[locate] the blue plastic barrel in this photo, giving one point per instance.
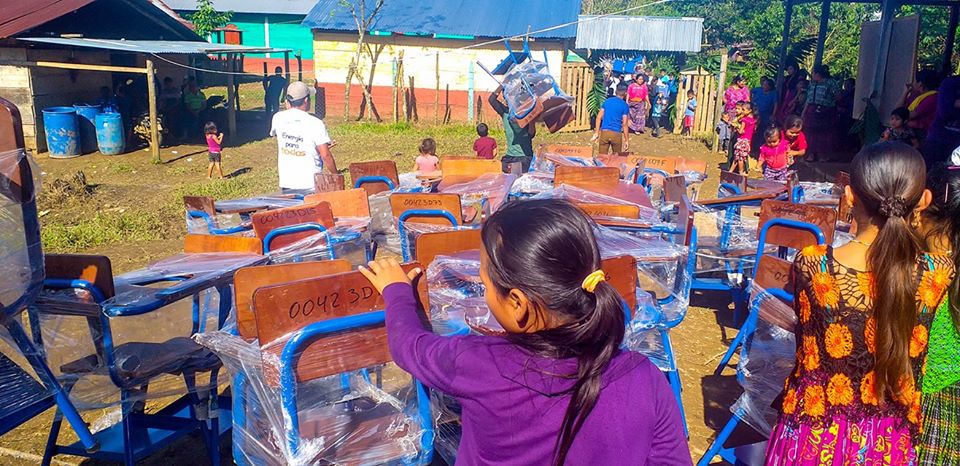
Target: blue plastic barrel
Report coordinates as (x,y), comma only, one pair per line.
(110,133)
(87,118)
(63,137)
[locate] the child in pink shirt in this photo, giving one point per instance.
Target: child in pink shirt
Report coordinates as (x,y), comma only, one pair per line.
(774,155)
(214,141)
(427,161)
(745,124)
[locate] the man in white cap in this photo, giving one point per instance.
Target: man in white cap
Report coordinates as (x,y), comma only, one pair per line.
(302,142)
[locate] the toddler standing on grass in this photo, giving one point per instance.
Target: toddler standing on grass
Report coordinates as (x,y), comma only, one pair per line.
(214,142)
(485,146)
(427,161)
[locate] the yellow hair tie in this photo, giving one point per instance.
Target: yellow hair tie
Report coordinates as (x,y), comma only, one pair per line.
(590,283)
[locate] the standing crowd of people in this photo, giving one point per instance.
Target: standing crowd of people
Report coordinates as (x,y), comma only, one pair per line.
(928,117)
(636,102)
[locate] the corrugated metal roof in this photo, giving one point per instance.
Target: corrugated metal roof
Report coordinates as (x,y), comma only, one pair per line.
(641,33)
(276,7)
(490,18)
(147,18)
(153,46)
(16,16)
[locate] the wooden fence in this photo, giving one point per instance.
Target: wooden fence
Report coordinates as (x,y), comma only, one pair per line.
(576,79)
(704,86)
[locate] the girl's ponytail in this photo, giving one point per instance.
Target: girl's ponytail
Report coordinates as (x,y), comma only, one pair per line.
(893,260)
(606,318)
(888,180)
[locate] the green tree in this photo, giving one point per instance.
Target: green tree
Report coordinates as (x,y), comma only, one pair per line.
(207,18)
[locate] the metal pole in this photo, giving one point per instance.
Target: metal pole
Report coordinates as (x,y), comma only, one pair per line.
(947,68)
(888,11)
(784,44)
(231,96)
(286,64)
(393,84)
(822,32)
(436,95)
(152,106)
(470,77)
(299,66)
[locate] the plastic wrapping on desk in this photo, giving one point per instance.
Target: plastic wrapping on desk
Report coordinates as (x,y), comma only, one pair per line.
(349,240)
(766,359)
(584,196)
(533,94)
(532,183)
(217,224)
(486,193)
(383,227)
(361,417)
(693,176)
(251,204)
(20,249)
(820,193)
(80,339)
(173,278)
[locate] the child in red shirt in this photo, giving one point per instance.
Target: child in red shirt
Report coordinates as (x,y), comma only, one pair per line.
(485,146)
(793,134)
(774,155)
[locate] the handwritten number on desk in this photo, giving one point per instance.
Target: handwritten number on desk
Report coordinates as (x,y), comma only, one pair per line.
(329,302)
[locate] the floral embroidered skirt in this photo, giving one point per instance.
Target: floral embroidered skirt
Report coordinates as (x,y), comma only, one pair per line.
(775,174)
(872,441)
(741,151)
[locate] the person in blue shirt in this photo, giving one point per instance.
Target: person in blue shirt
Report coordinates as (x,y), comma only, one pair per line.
(765,98)
(659,109)
(613,124)
(689,114)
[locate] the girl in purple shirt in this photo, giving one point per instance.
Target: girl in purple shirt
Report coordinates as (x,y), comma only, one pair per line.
(556,388)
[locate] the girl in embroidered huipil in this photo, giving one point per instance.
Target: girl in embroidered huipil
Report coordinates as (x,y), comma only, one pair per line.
(939,442)
(864,311)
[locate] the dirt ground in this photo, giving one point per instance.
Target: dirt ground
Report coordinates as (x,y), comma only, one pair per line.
(131,210)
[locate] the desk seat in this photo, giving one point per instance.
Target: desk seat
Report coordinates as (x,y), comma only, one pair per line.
(142,360)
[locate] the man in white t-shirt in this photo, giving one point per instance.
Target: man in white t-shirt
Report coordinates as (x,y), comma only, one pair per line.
(302,142)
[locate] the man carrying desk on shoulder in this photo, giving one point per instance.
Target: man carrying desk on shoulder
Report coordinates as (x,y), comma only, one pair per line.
(303,144)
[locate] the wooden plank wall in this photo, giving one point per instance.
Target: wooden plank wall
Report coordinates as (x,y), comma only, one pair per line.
(33,89)
(704,85)
(576,79)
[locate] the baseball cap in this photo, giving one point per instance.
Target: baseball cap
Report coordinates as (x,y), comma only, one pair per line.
(297,90)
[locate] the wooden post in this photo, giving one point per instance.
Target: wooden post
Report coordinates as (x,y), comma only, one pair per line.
(231,96)
(888,11)
(784,44)
(721,82)
(286,64)
(947,68)
(152,107)
(436,95)
(822,32)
